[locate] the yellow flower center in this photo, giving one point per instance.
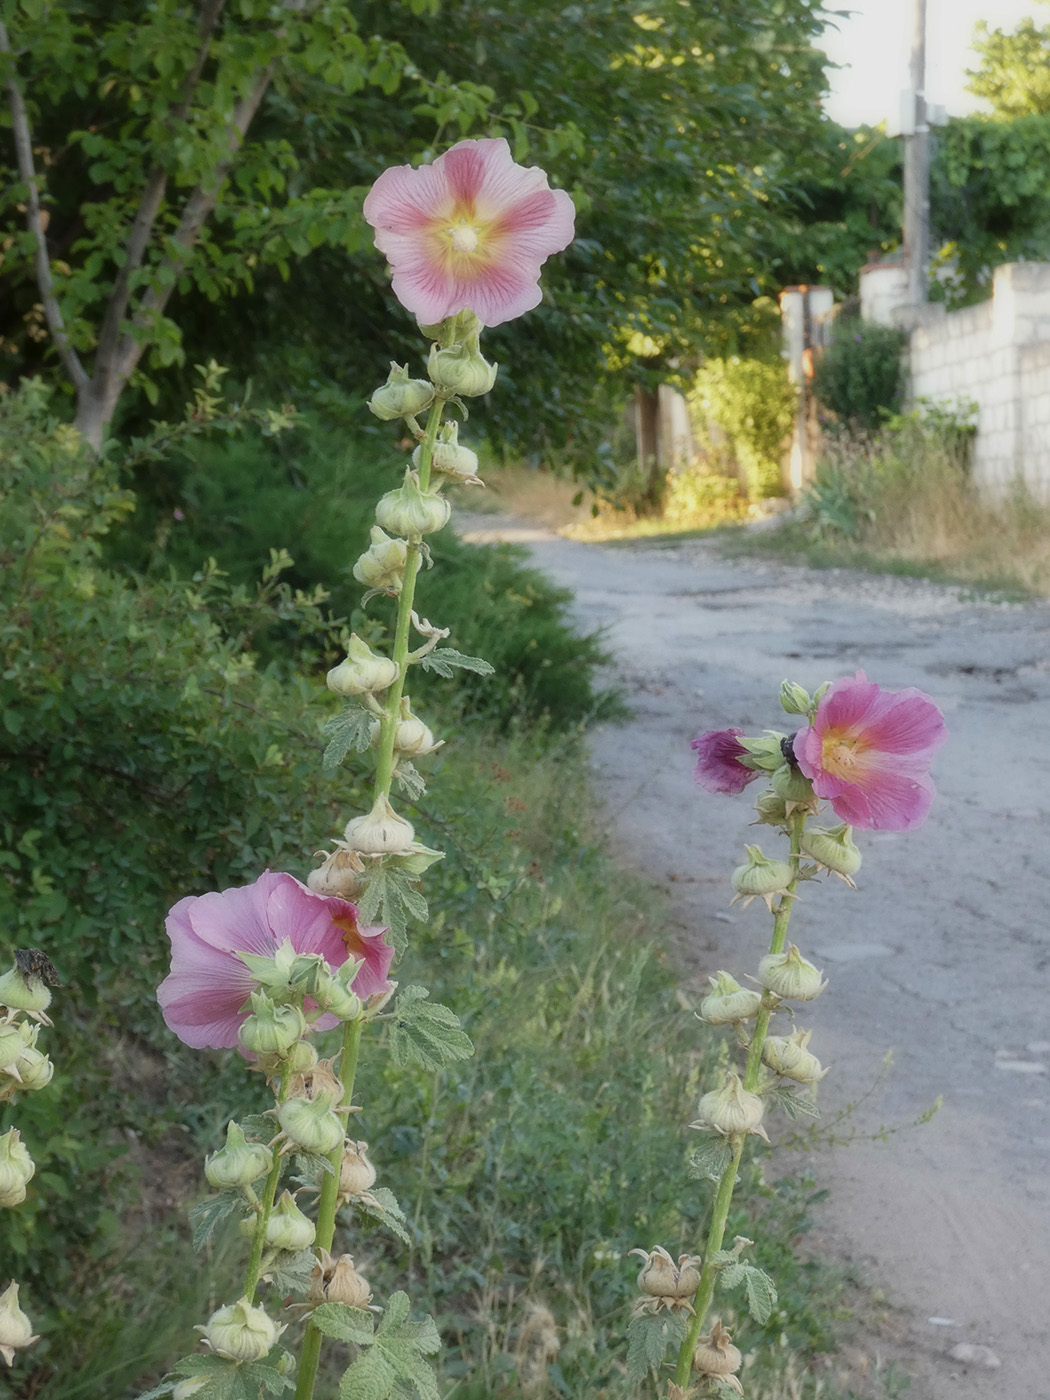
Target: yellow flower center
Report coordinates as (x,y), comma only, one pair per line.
(841,754)
(463,238)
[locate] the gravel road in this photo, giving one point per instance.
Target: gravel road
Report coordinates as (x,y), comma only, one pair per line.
(942,957)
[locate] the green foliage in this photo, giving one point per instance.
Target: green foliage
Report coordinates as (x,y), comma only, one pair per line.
(425,1033)
(1014,70)
(859,377)
(753,402)
(313,494)
(652,1338)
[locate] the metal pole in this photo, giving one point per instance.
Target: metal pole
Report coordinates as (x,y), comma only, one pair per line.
(917,170)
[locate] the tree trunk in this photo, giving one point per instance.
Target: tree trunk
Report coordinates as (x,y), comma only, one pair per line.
(647,440)
(95,408)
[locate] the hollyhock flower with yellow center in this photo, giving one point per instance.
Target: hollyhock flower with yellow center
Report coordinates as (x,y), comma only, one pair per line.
(207,995)
(468,232)
(868,751)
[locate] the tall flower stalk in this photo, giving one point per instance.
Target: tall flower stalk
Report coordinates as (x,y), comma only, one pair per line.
(867,752)
(267,966)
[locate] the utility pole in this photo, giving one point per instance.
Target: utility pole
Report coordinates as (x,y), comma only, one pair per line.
(917,168)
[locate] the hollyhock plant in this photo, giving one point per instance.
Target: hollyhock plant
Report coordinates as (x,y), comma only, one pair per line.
(718,765)
(204,998)
(868,751)
(468,232)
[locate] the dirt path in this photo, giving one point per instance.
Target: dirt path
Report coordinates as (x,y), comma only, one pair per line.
(942,957)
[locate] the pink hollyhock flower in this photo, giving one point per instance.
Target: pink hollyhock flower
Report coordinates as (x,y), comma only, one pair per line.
(718,767)
(469,232)
(204,997)
(869,751)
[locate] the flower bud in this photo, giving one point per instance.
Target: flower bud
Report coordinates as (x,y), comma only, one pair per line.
(794,699)
(337,1281)
(16,1331)
(288,1228)
(239,1163)
(412,738)
(362,672)
(383,563)
(270,1029)
(311,1123)
(770,810)
(731,1109)
(461,370)
(450,458)
(794,787)
(728,1002)
(765,754)
(834,850)
(381,832)
(761,878)
(16,1169)
(409,511)
(12,1043)
(787,1055)
(418,859)
(240,1332)
(340,875)
(336,996)
(20,991)
(400,396)
(716,1355)
(789,976)
(32,1069)
(356,1173)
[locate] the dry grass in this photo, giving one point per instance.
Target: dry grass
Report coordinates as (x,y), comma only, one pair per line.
(906,502)
(694,501)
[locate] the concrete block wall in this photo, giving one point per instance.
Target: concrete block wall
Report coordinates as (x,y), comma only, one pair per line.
(995,355)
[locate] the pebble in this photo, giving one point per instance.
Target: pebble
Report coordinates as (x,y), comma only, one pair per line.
(1022,1066)
(1038,1047)
(941,1321)
(973,1354)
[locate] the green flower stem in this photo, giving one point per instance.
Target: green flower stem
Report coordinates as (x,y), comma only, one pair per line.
(269,1195)
(724,1195)
(328,1204)
(388,724)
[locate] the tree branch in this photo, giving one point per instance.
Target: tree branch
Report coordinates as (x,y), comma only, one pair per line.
(149,208)
(194,215)
(35,225)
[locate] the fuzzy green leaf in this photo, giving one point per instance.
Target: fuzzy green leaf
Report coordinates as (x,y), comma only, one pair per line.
(406,1343)
(710,1158)
(205,1217)
(370,1377)
(761,1294)
(444,660)
(345,1324)
(426,1033)
(350,729)
(409,780)
(793,1104)
(292,1273)
(384,1209)
(649,1338)
(256,1378)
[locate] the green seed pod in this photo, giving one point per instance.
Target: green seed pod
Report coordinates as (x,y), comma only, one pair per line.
(787,1055)
(381,832)
(833,849)
(790,976)
(240,1332)
(731,1109)
(461,370)
(450,458)
(383,563)
(16,1330)
(400,396)
(409,511)
(270,1029)
(728,1002)
(761,878)
(362,672)
(19,992)
(288,1228)
(239,1163)
(16,1169)
(794,787)
(311,1123)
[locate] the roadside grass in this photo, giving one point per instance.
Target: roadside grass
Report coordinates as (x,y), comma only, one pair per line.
(904,503)
(694,503)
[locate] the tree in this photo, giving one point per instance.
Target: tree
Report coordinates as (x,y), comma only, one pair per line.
(1014,73)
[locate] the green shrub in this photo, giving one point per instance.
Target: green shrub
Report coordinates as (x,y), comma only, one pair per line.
(753,402)
(860,377)
(313,493)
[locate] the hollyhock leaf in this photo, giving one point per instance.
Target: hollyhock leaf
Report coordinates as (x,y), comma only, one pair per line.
(761,1294)
(383,1208)
(409,780)
(345,1324)
(293,1273)
(710,1159)
(794,1105)
(205,1217)
(370,1377)
(444,660)
(426,1033)
(468,232)
(351,729)
(649,1338)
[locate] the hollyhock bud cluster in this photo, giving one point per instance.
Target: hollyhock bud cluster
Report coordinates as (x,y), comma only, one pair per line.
(866,753)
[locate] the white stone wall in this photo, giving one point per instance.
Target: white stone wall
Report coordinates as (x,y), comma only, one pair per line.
(996,355)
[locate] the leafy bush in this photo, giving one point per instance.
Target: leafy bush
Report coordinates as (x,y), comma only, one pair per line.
(859,377)
(313,493)
(753,403)
(698,496)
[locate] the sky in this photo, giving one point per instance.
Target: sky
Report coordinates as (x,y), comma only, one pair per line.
(875,41)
